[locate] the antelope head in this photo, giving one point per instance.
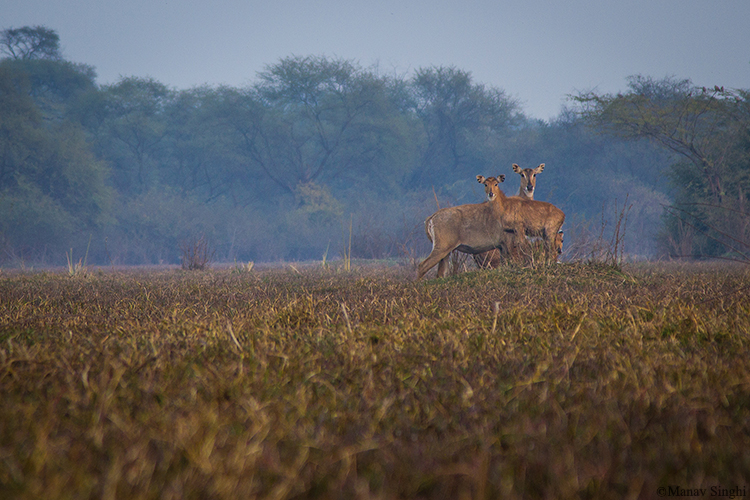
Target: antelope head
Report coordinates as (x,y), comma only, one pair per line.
(491,185)
(528,179)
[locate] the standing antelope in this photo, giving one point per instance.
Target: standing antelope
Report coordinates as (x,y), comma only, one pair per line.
(526,191)
(500,222)
(494,258)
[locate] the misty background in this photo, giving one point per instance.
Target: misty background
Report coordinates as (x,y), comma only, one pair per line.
(281,166)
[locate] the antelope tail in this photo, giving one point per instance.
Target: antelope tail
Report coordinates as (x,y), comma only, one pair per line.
(429,227)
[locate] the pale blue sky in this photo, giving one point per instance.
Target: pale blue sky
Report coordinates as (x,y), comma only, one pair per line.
(537,51)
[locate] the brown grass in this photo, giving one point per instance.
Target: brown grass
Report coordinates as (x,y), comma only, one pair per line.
(570,381)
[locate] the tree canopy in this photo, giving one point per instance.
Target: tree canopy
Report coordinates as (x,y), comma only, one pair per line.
(708,129)
(275,169)
(37,42)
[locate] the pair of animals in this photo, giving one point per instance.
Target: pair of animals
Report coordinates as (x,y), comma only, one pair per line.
(500,224)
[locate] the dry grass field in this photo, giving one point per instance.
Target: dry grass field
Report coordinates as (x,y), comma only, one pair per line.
(568,381)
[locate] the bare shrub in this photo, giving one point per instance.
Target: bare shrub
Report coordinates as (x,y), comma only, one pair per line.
(681,243)
(197,254)
(602,247)
(734,237)
(409,249)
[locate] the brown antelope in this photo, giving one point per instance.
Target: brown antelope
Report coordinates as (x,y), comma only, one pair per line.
(526,191)
(493,258)
(481,227)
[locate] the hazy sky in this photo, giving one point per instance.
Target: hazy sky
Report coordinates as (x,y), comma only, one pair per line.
(537,51)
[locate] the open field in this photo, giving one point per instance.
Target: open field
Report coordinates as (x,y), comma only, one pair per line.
(573,381)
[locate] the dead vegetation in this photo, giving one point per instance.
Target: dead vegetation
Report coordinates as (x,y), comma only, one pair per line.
(569,381)
(196,253)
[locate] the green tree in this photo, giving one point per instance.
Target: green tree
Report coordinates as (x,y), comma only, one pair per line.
(55,85)
(319,120)
(198,155)
(128,122)
(708,129)
(459,119)
(52,188)
(236,129)
(37,42)
(20,121)
(590,176)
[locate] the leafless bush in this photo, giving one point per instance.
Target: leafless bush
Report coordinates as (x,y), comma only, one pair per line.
(411,244)
(600,248)
(734,236)
(681,243)
(197,254)
(374,238)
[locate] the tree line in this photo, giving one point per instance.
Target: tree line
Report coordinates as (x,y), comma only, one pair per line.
(278,169)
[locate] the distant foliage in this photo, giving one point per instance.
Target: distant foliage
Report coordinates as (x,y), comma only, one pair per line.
(275,169)
(38,42)
(708,132)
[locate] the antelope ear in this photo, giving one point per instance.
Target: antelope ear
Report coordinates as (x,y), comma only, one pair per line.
(501,177)
(516,168)
(538,170)
(480,179)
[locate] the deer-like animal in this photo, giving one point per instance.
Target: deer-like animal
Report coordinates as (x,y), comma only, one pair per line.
(493,258)
(497,223)
(526,191)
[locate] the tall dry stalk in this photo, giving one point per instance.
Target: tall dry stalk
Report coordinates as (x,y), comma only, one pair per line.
(347,255)
(79,268)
